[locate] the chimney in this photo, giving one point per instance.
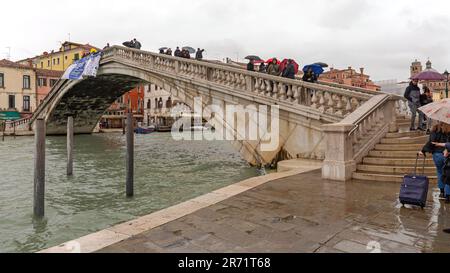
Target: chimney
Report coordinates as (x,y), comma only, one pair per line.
(362,70)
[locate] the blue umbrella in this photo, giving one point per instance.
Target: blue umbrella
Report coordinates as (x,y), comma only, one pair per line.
(317,69)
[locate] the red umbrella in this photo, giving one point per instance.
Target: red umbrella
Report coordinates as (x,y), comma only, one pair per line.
(285,62)
(429,75)
(271,60)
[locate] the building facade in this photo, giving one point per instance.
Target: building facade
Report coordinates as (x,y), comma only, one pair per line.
(45,79)
(132,101)
(17,88)
(60,60)
(349,77)
(437,87)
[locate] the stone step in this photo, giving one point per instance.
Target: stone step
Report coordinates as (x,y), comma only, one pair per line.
(393,154)
(399,170)
(405,134)
(359,175)
(396,161)
(399,147)
(406,140)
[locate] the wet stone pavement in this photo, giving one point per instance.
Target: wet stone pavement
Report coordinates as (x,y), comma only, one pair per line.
(304,214)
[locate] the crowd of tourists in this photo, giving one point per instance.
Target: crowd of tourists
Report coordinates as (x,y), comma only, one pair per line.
(182,53)
(275,68)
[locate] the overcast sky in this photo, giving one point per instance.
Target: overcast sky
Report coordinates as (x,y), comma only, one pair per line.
(384,36)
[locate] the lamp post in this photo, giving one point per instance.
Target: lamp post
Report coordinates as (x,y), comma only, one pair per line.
(446,83)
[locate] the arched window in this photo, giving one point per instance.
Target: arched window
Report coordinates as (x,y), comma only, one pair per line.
(149,104)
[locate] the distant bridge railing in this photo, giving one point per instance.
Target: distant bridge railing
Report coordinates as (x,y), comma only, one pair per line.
(333,103)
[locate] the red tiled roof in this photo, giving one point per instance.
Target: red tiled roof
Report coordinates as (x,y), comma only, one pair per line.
(7,63)
(49,73)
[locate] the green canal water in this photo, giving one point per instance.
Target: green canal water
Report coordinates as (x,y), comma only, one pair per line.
(167,173)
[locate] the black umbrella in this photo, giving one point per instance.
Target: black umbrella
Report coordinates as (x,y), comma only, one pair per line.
(163,48)
(190,49)
(322,64)
(128,44)
(253,58)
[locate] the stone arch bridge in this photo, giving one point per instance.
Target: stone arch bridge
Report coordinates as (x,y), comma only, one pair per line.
(304,107)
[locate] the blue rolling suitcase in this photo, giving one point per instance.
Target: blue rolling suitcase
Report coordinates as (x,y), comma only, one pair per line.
(414,190)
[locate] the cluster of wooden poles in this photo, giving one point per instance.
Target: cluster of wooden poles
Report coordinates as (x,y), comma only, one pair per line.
(39,160)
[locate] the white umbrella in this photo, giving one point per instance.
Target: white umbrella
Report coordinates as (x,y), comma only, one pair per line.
(439,111)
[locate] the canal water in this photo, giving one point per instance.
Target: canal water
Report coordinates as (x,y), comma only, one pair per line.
(167,173)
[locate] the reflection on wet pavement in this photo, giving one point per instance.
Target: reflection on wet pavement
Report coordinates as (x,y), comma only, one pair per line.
(304,213)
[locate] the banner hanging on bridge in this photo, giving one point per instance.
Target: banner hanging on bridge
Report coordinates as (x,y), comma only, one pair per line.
(86,67)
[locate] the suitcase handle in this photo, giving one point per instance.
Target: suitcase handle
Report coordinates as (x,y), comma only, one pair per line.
(417,162)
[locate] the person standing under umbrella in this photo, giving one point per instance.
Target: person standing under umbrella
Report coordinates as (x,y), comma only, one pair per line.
(436,147)
(412,94)
(274,68)
(137,44)
(425,99)
(251,65)
(169,52)
(177,52)
(199,54)
(289,71)
(262,68)
(309,76)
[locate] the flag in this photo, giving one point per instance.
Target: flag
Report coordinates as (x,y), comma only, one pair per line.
(86,67)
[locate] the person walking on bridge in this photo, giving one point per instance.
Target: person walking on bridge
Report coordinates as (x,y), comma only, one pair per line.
(251,65)
(169,52)
(199,54)
(137,44)
(177,52)
(412,94)
(289,71)
(274,68)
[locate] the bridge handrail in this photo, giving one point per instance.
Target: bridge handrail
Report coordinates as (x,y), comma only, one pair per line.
(324,99)
(350,140)
(47,99)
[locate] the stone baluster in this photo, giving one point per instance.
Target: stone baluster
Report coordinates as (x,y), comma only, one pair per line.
(296,90)
(262,88)
(269,88)
(289,92)
(315,100)
(282,91)
(322,102)
(275,90)
(257,85)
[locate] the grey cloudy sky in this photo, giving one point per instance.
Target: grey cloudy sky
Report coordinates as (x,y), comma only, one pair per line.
(383,35)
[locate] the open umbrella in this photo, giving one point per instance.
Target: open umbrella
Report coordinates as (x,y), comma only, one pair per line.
(439,111)
(429,75)
(317,69)
(190,49)
(253,58)
(285,62)
(163,48)
(271,60)
(322,64)
(128,44)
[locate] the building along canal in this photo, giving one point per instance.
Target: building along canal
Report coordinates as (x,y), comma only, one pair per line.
(167,173)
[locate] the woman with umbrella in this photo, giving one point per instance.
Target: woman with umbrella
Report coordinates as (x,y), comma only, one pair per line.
(438,144)
(309,76)
(274,67)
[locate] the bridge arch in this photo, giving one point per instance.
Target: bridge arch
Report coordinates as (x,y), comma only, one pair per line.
(304,107)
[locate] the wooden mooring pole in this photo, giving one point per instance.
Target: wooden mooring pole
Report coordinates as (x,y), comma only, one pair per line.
(70,145)
(39,168)
(130,156)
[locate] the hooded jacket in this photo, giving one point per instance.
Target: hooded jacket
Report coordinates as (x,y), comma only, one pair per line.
(412,94)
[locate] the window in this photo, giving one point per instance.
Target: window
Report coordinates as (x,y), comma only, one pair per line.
(48,63)
(26,103)
(58,61)
(11,101)
(2,80)
(42,82)
(52,82)
(65,58)
(26,82)
(42,64)
(149,104)
(54,61)
(76,57)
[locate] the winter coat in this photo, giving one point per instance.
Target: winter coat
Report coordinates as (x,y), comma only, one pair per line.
(273,69)
(289,71)
(412,94)
(309,77)
(137,45)
(436,137)
(424,100)
(251,67)
(177,53)
(199,55)
(262,68)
